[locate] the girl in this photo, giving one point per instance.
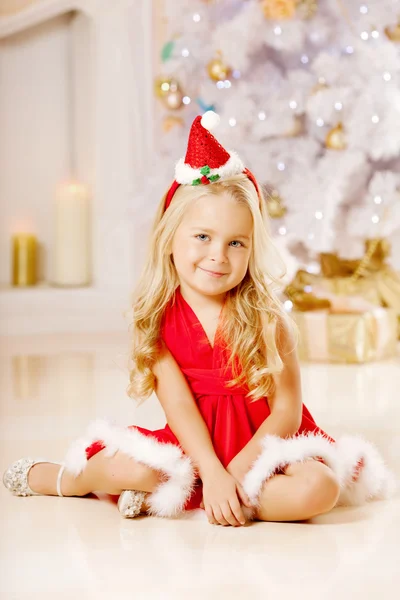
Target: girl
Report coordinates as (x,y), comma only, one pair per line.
(211,339)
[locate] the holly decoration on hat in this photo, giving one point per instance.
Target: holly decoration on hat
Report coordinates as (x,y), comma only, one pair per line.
(207,178)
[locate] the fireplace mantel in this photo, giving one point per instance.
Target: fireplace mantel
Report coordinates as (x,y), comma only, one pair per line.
(35,12)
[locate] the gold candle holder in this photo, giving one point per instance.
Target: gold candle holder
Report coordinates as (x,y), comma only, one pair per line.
(24,256)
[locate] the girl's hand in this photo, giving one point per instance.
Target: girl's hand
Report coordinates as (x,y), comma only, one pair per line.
(220,499)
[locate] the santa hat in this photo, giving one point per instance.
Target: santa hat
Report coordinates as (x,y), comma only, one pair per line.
(206,161)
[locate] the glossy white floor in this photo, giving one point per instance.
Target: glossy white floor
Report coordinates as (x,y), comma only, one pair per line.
(52,386)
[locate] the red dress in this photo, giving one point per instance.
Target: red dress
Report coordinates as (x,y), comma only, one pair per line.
(231,418)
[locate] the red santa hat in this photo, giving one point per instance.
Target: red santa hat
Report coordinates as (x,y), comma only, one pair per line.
(206,161)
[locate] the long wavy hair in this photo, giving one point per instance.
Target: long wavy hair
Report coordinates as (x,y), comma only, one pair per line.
(252,312)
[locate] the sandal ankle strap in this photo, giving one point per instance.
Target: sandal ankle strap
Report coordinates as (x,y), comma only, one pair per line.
(59,476)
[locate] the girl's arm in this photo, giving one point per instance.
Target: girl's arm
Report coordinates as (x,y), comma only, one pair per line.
(285,403)
(183,416)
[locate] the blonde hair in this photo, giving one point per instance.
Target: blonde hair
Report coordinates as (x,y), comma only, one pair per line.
(252,312)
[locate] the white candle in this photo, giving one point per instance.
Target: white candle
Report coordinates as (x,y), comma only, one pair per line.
(72,236)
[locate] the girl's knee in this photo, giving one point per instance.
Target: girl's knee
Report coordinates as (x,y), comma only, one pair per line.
(319,490)
(127,473)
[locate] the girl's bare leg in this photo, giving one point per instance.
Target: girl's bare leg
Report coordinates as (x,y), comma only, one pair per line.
(111,475)
(306,490)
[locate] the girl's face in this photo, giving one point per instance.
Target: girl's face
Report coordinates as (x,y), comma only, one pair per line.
(211,247)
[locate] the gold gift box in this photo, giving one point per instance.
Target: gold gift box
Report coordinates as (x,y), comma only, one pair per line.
(381,289)
(348,337)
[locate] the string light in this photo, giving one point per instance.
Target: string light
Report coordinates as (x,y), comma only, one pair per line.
(375,119)
(278,30)
(318,215)
(186,100)
(293,104)
(236,74)
(349,50)
(378,199)
(185,52)
(338,105)
(313,267)
(282,230)
(375,219)
(281,166)
(375,34)
(232,122)
(363,9)
(220,85)
(308,288)
(320,122)
(288,305)
(387,76)
(262,116)
(311,236)
(227,83)
(196,17)
(304,59)
(314,36)
(364,35)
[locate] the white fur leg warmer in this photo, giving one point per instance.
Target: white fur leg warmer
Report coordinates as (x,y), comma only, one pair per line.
(373,480)
(170,496)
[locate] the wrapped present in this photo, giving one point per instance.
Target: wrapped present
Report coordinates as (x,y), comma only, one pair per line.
(305,286)
(369,278)
(352,337)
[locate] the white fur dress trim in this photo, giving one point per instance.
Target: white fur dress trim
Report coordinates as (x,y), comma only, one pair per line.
(185,174)
(374,481)
(170,496)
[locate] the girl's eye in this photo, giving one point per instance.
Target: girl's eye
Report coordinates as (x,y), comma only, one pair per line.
(203,237)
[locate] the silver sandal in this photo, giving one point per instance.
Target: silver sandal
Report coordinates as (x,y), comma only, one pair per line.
(15,478)
(130,503)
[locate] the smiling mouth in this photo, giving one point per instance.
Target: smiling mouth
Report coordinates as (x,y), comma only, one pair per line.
(213,272)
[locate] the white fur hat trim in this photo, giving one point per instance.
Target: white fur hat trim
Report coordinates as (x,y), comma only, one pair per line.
(185,174)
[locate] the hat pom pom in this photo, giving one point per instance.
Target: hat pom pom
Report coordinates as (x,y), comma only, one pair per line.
(209,120)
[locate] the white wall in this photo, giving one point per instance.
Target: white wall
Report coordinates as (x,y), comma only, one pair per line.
(35,131)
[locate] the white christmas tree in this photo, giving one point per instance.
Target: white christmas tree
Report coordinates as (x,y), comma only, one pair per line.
(309,95)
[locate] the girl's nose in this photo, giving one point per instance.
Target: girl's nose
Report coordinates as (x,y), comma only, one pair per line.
(218,253)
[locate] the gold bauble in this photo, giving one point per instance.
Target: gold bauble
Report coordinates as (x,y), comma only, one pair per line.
(218,70)
(335,138)
(278,9)
(276,209)
(393,33)
(174,99)
(169,92)
(162,86)
(171,121)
